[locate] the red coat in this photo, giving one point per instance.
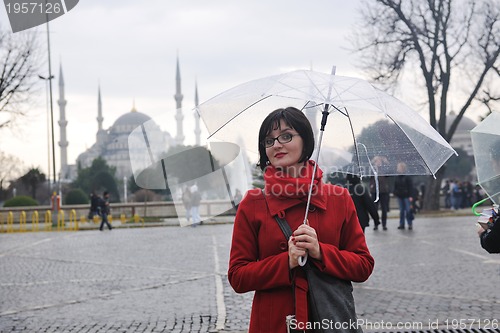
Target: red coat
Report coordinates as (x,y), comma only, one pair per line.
(259,251)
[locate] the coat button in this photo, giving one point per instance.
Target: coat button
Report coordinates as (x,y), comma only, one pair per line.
(283,246)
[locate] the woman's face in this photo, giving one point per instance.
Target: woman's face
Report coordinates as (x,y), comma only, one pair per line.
(285,155)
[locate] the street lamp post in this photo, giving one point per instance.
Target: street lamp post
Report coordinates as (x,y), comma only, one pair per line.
(51,106)
(47,79)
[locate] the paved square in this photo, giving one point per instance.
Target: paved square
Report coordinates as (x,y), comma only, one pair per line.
(172,279)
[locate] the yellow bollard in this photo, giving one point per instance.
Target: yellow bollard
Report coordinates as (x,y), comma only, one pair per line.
(34,221)
(137,219)
(72,218)
(22,221)
(123,218)
(1,223)
(48,220)
(96,219)
(10,222)
(60,220)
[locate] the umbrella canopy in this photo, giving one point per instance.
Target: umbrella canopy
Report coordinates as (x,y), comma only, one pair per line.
(364,123)
(486,145)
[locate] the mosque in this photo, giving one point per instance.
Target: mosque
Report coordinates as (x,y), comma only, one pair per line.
(461,138)
(112,143)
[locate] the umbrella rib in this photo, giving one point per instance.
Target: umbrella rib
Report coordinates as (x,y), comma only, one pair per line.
(353,138)
(236,115)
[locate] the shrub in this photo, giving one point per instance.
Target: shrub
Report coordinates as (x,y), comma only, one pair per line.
(21,201)
(76,197)
(146,195)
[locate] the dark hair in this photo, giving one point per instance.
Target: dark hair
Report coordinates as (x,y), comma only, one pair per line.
(296,120)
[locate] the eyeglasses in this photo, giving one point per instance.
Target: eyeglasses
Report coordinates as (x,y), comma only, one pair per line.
(283,138)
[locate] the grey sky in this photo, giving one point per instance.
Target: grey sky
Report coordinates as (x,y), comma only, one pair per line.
(130,47)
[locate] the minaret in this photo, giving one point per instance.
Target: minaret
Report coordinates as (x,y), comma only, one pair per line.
(179,117)
(197,130)
(63,143)
(101,134)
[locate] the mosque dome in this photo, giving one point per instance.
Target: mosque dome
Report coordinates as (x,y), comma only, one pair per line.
(129,121)
(465,124)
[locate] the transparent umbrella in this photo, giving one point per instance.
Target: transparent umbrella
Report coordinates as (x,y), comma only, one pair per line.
(486,145)
(364,122)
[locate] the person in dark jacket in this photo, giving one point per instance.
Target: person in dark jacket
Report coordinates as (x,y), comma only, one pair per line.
(363,202)
(490,238)
(403,188)
(383,190)
(384,197)
(104,205)
(94,206)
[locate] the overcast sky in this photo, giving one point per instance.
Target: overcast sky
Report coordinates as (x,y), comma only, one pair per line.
(130,48)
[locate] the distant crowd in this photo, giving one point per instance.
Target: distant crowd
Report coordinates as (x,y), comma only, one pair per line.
(458,194)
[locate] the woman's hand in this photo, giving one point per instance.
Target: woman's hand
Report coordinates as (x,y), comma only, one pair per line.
(304,240)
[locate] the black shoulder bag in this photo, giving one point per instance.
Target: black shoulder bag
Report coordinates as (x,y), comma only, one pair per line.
(331,303)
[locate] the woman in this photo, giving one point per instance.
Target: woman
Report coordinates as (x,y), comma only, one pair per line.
(261,259)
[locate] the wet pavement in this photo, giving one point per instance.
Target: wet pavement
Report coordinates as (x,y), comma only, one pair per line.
(173,279)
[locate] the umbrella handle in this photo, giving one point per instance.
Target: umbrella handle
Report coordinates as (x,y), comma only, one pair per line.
(477,204)
(302,260)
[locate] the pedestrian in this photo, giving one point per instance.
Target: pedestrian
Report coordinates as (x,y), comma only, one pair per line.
(446,191)
(105,210)
(468,192)
(195,205)
(94,206)
(456,194)
(403,189)
(490,237)
(186,201)
(365,207)
(383,190)
(421,196)
(237,198)
(261,258)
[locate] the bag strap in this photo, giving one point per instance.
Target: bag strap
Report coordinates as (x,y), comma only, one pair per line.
(287,231)
(285,228)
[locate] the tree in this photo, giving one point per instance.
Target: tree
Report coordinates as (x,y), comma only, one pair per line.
(451,48)
(10,170)
(32,180)
(18,68)
(97,178)
(459,166)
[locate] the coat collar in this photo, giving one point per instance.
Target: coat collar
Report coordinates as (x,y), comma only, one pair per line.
(283,192)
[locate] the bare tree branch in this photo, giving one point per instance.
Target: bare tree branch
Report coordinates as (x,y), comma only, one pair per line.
(455,45)
(19,64)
